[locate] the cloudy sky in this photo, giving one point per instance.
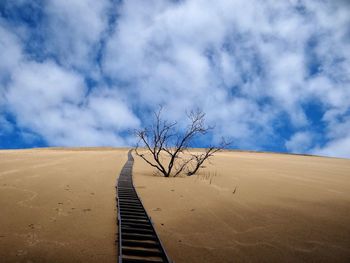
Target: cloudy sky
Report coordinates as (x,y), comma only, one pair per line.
(270,75)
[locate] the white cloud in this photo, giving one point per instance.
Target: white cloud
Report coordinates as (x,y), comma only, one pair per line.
(53,102)
(338,134)
(74,30)
(110,112)
(336,148)
(300,142)
(10,57)
(11,52)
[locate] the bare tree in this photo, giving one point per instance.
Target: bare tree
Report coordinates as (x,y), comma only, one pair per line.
(169,148)
(198,159)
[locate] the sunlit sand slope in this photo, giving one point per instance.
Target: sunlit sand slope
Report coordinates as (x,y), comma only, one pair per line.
(58,205)
(253,207)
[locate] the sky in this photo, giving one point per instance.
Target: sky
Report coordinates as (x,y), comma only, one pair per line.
(270,75)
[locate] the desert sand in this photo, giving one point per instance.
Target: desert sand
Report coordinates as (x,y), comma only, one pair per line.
(58,205)
(252,207)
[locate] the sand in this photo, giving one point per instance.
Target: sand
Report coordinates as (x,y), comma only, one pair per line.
(58,205)
(253,207)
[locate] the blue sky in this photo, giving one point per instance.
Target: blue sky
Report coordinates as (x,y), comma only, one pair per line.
(270,75)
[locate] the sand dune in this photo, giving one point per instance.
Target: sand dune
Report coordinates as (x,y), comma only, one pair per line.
(57,205)
(253,207)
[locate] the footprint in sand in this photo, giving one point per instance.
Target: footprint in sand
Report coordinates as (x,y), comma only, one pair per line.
(60,212)
(32,239)
(34,226)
